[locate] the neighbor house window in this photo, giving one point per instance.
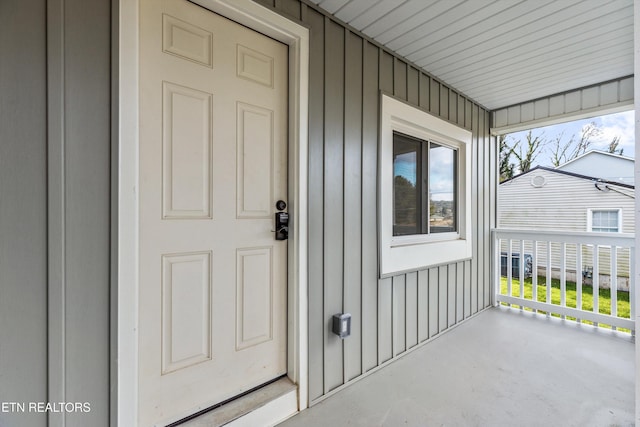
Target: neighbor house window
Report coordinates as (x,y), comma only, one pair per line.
(424,186)
(425,189)
(604,221)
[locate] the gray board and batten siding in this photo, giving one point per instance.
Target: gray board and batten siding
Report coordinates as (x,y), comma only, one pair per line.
(55,142)
(392,315)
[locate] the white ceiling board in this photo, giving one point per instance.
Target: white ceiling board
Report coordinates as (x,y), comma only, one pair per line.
(517,43)
(356,8)
(332,6)
(437,29)
(491,70)
(389,22)
(502,52)
(479,38)
(415,22)
(374,12)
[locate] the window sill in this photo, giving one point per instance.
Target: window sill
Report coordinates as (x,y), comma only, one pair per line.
(412,257)
(423,239)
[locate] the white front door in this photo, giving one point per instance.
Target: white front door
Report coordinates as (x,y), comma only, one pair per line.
(213,162)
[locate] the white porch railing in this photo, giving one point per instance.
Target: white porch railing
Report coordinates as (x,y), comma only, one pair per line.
(564,274)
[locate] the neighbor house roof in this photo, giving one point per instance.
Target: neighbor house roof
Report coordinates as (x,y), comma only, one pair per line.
(597,153)
(602,165)
(572,174)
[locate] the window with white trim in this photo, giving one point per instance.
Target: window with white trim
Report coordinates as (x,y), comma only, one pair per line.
(425,198)
(604,220)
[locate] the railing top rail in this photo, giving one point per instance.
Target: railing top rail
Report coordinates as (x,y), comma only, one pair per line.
(588,238)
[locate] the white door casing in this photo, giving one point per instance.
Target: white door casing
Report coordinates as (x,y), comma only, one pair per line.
(126,198)
(213,151)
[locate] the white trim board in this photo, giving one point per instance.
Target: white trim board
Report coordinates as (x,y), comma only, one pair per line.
(265,21)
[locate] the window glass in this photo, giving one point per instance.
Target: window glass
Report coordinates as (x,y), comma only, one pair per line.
(442,189)
(424,187)
(604,221)
(406,198)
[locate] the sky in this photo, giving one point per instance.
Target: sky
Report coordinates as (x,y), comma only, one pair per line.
(619,124)
(441,181)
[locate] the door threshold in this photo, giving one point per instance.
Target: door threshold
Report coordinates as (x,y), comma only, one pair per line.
(265,406)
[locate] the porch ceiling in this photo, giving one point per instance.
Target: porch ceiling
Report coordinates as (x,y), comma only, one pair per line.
(504,52)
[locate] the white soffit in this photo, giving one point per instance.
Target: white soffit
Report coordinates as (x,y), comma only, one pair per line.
(502,52)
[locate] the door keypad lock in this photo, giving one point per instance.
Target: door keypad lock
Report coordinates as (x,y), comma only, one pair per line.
(282,222)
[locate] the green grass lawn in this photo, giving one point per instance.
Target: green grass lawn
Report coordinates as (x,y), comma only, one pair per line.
(604,295)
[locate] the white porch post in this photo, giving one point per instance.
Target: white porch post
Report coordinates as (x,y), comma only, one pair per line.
(636,98)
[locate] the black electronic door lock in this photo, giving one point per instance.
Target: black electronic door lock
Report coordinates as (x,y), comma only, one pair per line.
(282,225)
(282,221)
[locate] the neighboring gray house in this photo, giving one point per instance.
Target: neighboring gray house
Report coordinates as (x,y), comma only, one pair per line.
(602,165)
(558,200)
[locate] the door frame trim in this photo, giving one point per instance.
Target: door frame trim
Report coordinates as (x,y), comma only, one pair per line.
(126,70)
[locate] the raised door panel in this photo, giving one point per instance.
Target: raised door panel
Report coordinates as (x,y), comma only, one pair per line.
(254,161)
(254,311)
(186,143)
(186,310)
(187,41)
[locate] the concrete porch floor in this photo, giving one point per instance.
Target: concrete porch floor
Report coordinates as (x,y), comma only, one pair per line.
(502,368)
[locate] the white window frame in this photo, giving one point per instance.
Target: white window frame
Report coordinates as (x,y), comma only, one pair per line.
(408,253)
(590,218)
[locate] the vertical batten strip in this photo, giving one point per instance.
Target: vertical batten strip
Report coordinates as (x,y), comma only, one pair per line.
(434,99)
(385,307)
(435,92)
(459,291)
(442,297)
(412,307)
(399,314)
(400,79)
(353,202)
(481,224)
(413,86)
(451,294)
(424,98)
(433,301)
(493,187)
(334,197)
(56,265)
(487,219)
(370,54)
(423,305)
(345,265)
(385,321)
